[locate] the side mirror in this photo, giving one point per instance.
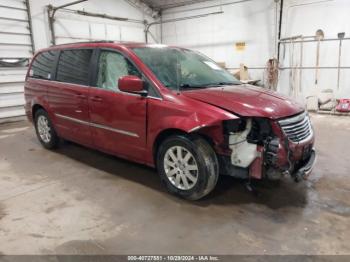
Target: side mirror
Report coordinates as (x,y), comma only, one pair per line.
(132,84)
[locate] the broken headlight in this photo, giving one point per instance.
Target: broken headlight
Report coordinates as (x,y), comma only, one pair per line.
(261,130)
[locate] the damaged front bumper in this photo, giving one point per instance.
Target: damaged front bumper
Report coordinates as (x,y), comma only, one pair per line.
(273,154)
(305,170)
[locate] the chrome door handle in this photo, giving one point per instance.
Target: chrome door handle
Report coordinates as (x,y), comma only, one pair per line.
(80,96)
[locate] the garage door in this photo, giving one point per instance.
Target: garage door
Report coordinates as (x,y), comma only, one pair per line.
(16,48)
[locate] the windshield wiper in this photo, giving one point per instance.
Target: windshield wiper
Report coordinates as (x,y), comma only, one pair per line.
(184,86)
(191,86)
(222,84)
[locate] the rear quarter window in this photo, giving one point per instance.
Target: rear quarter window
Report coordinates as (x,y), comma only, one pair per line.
(43,65)
(73,66)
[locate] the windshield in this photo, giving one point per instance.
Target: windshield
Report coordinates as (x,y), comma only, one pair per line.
(184,69)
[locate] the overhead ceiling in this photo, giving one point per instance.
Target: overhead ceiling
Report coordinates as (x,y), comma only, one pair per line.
(166,4)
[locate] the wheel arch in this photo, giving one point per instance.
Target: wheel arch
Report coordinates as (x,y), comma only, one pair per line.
(35,109)
(162,136)
(175,131)
(37,106)
(208,165)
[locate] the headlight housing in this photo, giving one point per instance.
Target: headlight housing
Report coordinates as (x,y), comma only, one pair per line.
(261,130)
(234,125)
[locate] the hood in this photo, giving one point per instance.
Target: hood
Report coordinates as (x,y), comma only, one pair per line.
(247,100)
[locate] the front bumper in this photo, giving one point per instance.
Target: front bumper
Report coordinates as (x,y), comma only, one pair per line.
(277,151)
(306,168)
(276,159)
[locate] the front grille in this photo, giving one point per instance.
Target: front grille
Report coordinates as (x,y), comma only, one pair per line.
(297,128)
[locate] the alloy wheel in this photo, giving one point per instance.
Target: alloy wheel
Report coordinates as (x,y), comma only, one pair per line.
(44,129)
(181,167)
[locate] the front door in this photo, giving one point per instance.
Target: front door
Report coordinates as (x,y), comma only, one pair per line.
(118,119)
(68,95)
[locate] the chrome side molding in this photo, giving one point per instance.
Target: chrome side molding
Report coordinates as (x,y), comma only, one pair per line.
(119,131)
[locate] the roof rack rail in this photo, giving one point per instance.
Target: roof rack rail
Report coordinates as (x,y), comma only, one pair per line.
(86,42)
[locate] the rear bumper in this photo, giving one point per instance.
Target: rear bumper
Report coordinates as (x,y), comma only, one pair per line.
(305,170)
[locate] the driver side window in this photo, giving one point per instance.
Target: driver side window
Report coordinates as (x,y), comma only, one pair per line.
(111,67)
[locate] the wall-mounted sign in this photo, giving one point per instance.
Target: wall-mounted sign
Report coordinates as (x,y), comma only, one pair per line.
(240,46)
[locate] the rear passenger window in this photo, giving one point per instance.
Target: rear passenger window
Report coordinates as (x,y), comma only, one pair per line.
(73,66)
(43,65)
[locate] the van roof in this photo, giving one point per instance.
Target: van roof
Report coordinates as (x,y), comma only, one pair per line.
(98,44)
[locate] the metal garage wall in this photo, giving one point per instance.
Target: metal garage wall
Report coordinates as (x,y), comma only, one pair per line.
(82,28)
(302,17)
(251,22)
(15,42)
(71,27)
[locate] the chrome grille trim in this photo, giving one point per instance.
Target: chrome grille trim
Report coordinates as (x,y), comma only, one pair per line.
(297,128)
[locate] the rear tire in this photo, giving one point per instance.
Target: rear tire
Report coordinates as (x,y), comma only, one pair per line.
(45,130)
(188,166)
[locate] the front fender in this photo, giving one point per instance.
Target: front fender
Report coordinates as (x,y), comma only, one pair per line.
(199,117)
(189,123)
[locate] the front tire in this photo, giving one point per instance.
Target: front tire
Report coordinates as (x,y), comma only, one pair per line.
(45,130)
(188,166)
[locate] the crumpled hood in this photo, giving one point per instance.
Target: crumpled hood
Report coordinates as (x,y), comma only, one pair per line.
(247,100)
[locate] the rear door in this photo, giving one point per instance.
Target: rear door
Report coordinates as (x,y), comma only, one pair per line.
(118,119)
(68,95)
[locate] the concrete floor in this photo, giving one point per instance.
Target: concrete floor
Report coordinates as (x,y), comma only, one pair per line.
(79,201)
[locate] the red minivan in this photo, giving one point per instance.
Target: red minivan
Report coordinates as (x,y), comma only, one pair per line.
(169,108)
